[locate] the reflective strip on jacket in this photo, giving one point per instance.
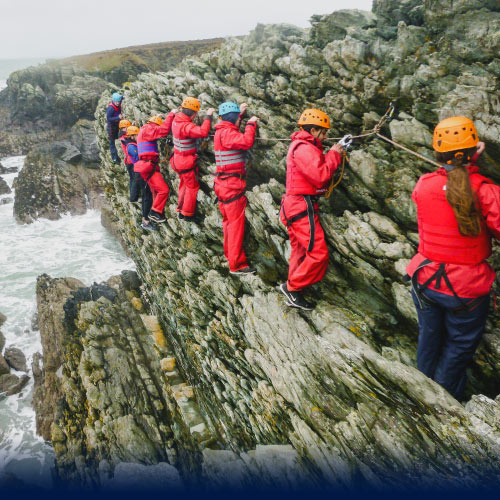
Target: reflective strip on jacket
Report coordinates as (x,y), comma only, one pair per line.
(230,146)
(147,139)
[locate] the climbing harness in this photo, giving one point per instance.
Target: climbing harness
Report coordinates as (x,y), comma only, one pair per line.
(309,213)
(423,300)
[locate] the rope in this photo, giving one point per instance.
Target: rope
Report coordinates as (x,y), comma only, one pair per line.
(408,150)
(333,184)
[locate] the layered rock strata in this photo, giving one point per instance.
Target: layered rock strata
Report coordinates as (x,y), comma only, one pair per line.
(337,385)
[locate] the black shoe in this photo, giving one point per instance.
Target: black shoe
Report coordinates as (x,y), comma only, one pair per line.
(190,218)
(116,161)
(245,270)
(295,299)
(156,217)
(180,216)
(149,227)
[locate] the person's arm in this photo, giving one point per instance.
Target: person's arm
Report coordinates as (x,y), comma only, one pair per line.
(314,166)
(110,115)
(489,200)
(202,131)
(243,112)
(236,140)
(166,126)
(133,152)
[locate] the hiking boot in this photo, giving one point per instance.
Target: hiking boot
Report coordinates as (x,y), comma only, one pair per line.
(156,217)
(295,299)
(149,227)
(245,270)
(180,216)
(116,161)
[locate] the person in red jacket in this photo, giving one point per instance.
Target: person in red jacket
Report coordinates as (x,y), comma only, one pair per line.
(308,174)
(149,158)
(458,212)
(183,161)
(230,147)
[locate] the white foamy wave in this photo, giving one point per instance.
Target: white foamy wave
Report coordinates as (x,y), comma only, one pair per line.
(72,246)
(3,84)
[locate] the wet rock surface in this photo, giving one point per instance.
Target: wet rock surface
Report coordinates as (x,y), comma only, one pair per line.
(234,368)
(4,187)
(15,359)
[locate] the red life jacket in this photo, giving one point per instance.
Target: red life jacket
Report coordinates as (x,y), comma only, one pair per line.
(440,239)
(296,182)
(124,141)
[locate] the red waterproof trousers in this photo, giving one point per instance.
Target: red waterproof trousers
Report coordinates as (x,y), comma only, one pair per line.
(306,267)
(233,225)
(188,189)
(159,189)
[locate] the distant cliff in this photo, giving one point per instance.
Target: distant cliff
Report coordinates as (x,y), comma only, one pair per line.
(337,388)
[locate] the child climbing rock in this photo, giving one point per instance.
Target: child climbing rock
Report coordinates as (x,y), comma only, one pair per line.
(458,212)
(183,161)
(230,147)
(137,185)
(308,174)
(113,117)
(149,158)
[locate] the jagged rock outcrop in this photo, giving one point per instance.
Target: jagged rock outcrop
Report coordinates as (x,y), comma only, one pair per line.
(338,385)
(4,187)
(55,180)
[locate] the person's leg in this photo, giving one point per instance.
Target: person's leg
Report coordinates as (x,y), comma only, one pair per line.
(112,146)
(181,193)
(234,233)
(464,332)
(134,189)
(160,191)
(312,267)
(432,333)
(191,187)
(147,199)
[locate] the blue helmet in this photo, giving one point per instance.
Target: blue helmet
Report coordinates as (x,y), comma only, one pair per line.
(116,97)
(228,107)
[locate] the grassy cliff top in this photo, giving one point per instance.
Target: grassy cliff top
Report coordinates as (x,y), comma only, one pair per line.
(154,57)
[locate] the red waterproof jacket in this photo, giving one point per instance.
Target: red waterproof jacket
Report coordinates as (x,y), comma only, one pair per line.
(308,172)
(230,146)
(184,133)
(440,241)
(149,135)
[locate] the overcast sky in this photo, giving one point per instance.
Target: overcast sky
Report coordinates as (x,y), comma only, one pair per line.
(58,28)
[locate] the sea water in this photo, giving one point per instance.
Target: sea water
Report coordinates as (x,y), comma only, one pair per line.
(78,247)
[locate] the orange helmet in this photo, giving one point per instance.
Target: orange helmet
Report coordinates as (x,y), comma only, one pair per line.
(314,117)
(156,119)
(191,103)
(457,132)
(132,130)
(124,124)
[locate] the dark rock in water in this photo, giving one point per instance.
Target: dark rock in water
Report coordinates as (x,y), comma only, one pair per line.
(83,136)
(34,322)
(3,319)
(4,187)
(130,281)
(16,359)
(4,366)
(5,170)
(47,186)
(11,384)
(6,201)
(2,341)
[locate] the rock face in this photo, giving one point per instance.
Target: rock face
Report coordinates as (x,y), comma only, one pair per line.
(4,187)
(55,180)
(336,387)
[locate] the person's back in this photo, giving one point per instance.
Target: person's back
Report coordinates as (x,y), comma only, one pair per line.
(231,146)
(183,160)
(458,211)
